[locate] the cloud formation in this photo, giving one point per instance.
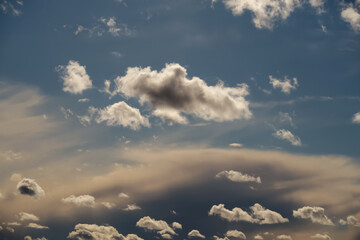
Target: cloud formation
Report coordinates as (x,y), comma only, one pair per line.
(75,78)
(132,207)
(160,226)
(285,85)
(96,232)
(288,136)
(80,201)
(37,226)
(321,236)
(258,214)
(235,234)
(356,118)
(283,237)
(236,176)
(23,216)
(350,220)
(28,186)
(315,214)
(351,15)
(171,94)
(195,234)
(119,114)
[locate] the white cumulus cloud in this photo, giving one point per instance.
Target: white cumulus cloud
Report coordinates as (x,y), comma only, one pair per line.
(235,234)
(75,78)
(80,201)
(195,234)
(159,226)
(23,216)
(236,176)
(288,136)
(315,214)
(356,118)
(285,85)
(321,236)
(351,15)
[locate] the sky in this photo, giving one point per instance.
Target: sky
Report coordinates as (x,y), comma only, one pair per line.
(183,120)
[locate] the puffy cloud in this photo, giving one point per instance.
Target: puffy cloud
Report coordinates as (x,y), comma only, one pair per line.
(30,238)
(239,145)
(350,220)
(285,85)
(321,236)
(95,232)
(288,136)
(108,205)
(176,225)
(356,118)
(132,207)
(351,15)
(123,195)
(284,237)
(236,176)
(315,214)
(195,233)
(10,229)
(258,237)
(170,93)
(37,226)
(265,12)
(80,201)
(120,114)
(235,234)
(28,186)
(114,28)
(23,216)
(75,78)
(318,5)
(258,214)
(157,225)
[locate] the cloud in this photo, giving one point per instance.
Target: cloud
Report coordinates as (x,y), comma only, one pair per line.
(108,205)
(119,114)
(7,7)
(37,226)
(258,214)
(123,195)
(23,216)
(315,214)
(114,28)
(236,176)
(95,232)
(132,207)
(350,220)
(321,236)
(264,12)
(235,234)
(28,186)
(286,118)
(30,238)
(9,155)
(284,237)
(351,15)
(156,225)
(318,5)
(83,100)
(356,118)
(176,225)
(258,237)
(75,78)
(285,85)
(239,145)
(15,177)
(288,136)
(195,234)
(170,93)
(80,201)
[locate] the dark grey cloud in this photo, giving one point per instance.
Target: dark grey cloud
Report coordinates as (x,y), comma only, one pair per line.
(28,186)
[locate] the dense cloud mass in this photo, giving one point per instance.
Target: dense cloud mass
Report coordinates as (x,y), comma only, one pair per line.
(195,234)
(258,214)
(288,136)
(95,232)
(315,214)
(350,220)
(120,114)
(75,78)
(80,201)
(170,93)
(28,186)
(155,225)
(236,176)
(285,85)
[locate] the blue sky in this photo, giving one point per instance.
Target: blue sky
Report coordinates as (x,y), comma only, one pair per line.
(96,96)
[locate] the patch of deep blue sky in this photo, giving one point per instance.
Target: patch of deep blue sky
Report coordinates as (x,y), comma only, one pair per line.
(212,44)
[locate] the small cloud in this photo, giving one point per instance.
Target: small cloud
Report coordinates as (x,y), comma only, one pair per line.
(123,195)
(321,236)
(66,112)
(9,155)
(36,226)
(29,187)
(80,201)
(285,85)
(350,220)
(176,225)
(237,145)
(132,207)
(235,234)
(323,28)
(108,205)
(173,212)
(356,118)
(76,80)
(116,54)
(288,136)
(16,177)
(23,216)
(315,214)
(236,176)
(351,15)
(160,226)
(195,234)
(258,237)
(83,100)
(283,237)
